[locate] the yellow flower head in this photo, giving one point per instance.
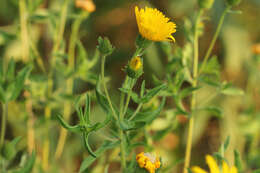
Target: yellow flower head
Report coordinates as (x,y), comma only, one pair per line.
(148,161)
(213,166)
(135,63)
(86,5)
(153,25)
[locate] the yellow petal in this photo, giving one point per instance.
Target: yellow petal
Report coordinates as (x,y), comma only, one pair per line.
(212,164)
(196,169)
(233,170)
(153,25)
(225,168)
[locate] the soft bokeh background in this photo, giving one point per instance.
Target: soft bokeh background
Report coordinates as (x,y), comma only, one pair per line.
(116,20)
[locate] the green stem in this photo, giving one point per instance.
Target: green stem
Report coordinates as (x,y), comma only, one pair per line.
(69,82)
(136,111)
(103,60)
(24,31)
(213,41)
(3,124)
(61,28)
(122,150)
(47,111)
(193,99)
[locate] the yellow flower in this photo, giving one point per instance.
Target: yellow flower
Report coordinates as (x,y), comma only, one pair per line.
(213,166)
(148,161)
(153,25)
(86,5)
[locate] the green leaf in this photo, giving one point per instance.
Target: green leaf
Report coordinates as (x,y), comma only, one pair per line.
(228,89)
(210,80)
(126,125)
(2,95)
(238,162)
(27,168)
(153,92)
(10,70)
(87,146)
(212,67)
(75,128)
(187,91)
(142,89)
(87,109)
(104,46)
(226,143)
(19,82)
(149,116)
(90,159)
(216,111)
(9,149)
(33,5)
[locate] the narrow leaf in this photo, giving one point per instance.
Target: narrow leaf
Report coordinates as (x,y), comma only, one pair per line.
(75,128)
(90,159)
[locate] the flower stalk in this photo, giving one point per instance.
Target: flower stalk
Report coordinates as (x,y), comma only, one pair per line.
(193,99)
(213,41)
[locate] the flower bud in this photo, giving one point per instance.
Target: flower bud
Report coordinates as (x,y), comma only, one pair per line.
(135,67)
(233,2)
(104,46)
(86,5)
(207,4)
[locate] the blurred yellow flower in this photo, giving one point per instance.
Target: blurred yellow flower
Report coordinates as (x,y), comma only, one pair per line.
(256,49)
(213,166)
(148,161)
(87,5)
(153,25)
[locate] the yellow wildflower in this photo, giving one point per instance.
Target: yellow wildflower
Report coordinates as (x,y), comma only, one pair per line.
(153,25)
(213,166)
(86,5)
(148,161)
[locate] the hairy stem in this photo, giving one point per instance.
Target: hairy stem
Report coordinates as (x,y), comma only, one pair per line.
(213,41)
(47,110)
(193,99)
(59,35)
(3,124)
(24,31)
(103,60)
(30,122)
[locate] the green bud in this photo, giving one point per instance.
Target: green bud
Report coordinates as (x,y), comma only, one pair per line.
(207,4)
(233,2)
(134,68)
(104,46)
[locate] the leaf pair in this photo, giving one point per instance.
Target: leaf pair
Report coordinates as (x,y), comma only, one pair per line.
(85,127)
